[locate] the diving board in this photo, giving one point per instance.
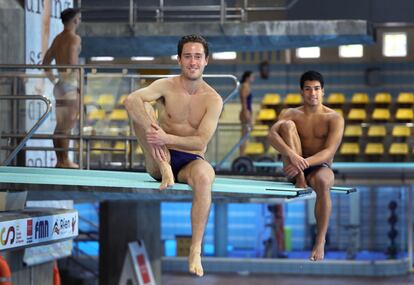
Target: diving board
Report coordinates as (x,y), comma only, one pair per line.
(52,183)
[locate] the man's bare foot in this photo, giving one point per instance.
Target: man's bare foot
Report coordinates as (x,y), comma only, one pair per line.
(194,262)
(300,181)
(167,175)
(66,164)
(318,251)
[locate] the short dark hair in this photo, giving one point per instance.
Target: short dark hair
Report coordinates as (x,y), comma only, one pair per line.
(311,75)
(245,75)
(192,39)
(68,14)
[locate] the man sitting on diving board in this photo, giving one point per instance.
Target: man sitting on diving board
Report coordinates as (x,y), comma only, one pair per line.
(307,138)
(174,147)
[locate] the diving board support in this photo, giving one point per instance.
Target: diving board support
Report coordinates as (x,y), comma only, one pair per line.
(220,228)
(122,222)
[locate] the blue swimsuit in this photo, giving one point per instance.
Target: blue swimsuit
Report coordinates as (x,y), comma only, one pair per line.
(179,159)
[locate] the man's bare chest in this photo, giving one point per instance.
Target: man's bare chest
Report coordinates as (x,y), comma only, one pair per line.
(184,111)
(312,128)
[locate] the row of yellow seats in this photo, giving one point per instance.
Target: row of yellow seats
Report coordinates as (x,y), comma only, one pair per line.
(99,147)
(374,149)
(355,114)
(114,115)
(104,100)
(377,131)
(258,148)
(379,114)
(273,99)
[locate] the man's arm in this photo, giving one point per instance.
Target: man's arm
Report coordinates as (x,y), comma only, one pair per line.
(47,60)
(199,141)
(336,130)
(134,103)
(74,49)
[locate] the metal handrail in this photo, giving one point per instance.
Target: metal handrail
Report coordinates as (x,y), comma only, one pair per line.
(234,148)
(29,134)
(159,10)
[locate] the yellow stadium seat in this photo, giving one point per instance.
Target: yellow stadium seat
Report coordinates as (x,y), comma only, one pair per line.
(138,150)
(399,149)
(357,115)
(98,146)
(120,146)
(266,115)
(401,131)
(293,99)
(381,114)
(353,131)
(272,151)
(405,98)
(96,115)
(271,99)
(374,149)
(336,99)
(254,148)
(121,100)
(87,99)
(106,100)
(377,131)
(260,131)
(404,114)
(382,98)
(118,115)
(360,99)
(349,149)
(339,111)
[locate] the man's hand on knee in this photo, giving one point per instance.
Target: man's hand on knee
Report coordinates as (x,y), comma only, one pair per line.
(156,136)
(158,152)
(291,171)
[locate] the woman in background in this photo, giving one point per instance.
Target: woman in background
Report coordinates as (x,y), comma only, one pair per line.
(246,105)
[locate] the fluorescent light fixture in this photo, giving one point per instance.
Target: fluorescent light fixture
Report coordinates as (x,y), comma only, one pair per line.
(308,52)
(102,58)
(349,51)
(227,55)
(394,44)
(174,57)
(142,58)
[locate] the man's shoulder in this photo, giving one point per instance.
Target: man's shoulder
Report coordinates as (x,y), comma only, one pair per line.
(211,93)
(292,111)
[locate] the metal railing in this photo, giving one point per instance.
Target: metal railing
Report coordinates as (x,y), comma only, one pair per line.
(82,137)
(134,12)
(30,133)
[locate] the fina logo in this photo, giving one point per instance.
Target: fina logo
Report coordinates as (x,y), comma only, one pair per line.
(41,229)
(9,231)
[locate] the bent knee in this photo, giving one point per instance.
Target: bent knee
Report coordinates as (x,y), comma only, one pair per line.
(287,127)
(322,184)
(203,178)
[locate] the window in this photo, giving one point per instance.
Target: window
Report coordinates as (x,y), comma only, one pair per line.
(227,55)
(308,52)
(349,51)
(142,58)
(394,44)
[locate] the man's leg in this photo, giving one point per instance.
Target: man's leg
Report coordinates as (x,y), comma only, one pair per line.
(321,180)
(289,134)
(200,176)
(67,111)
(157,169)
